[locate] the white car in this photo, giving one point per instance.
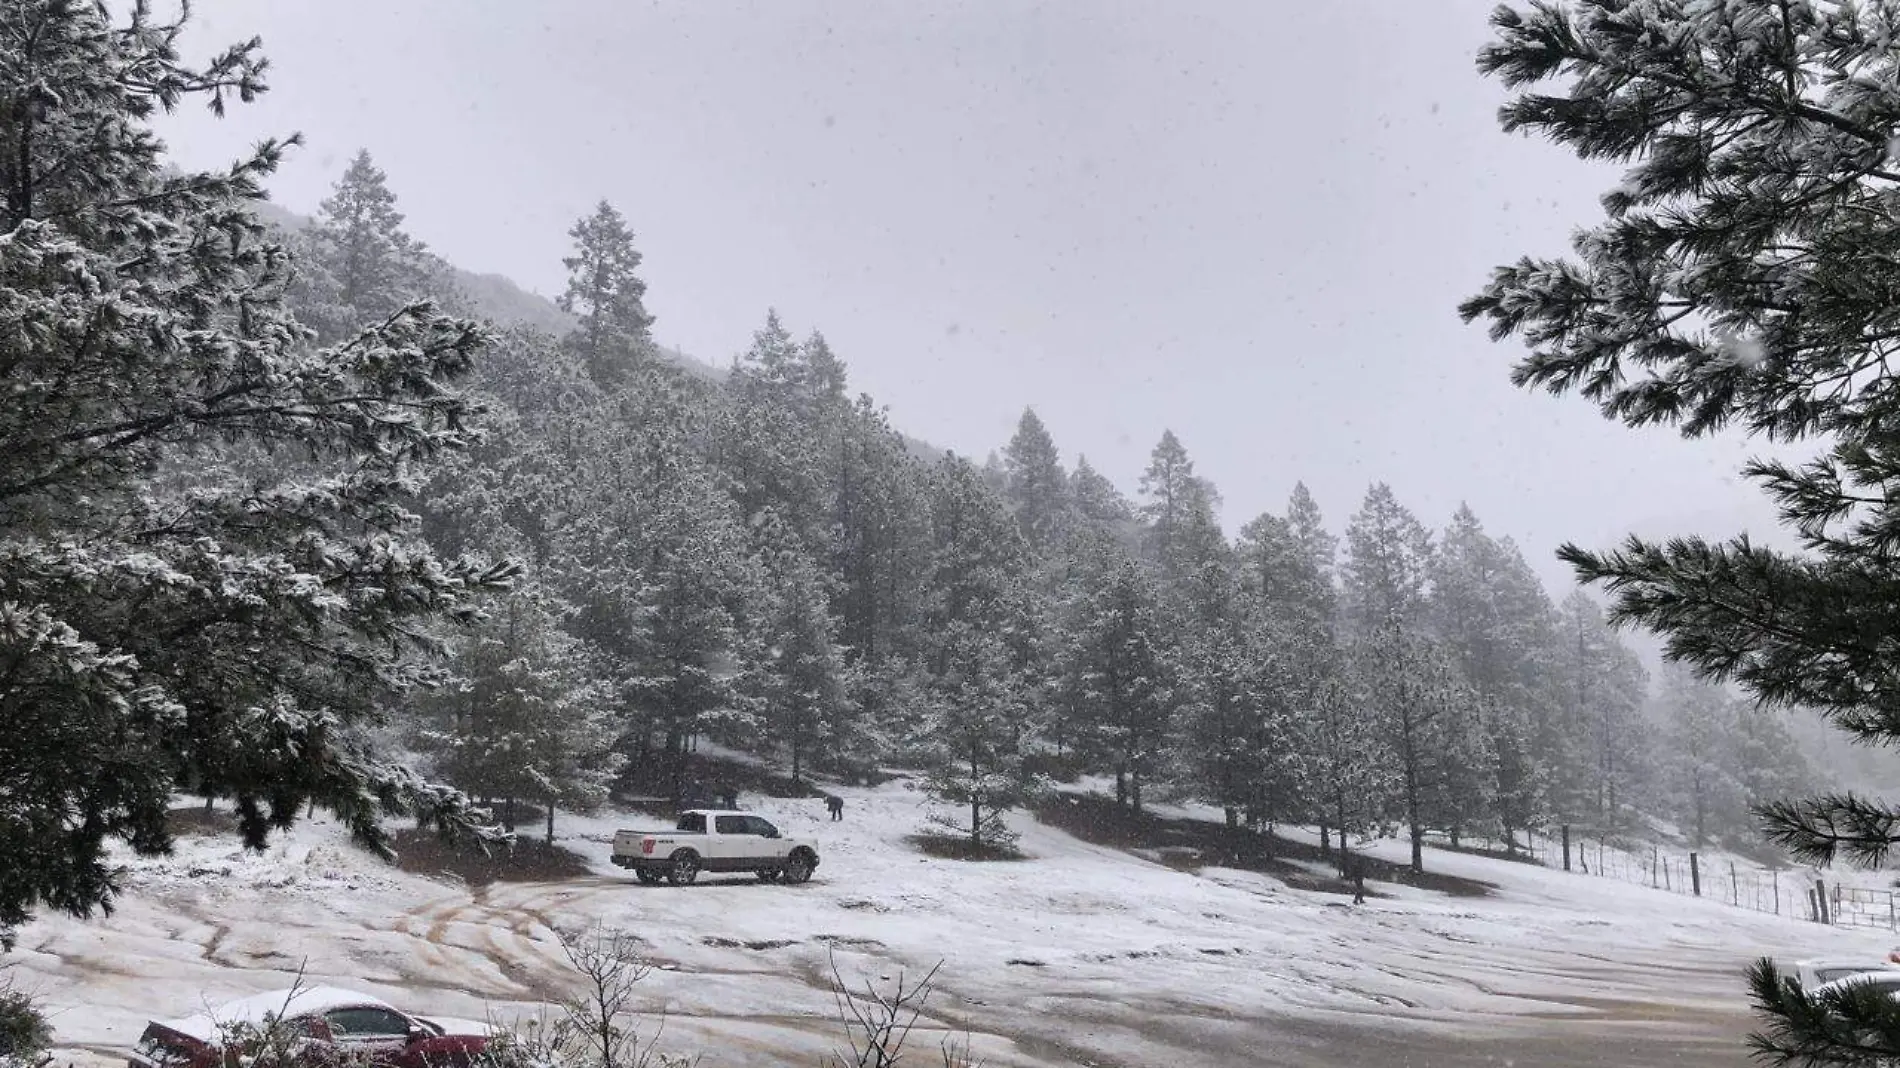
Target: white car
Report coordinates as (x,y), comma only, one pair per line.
(713,840)
(1814,973)
(1885,980)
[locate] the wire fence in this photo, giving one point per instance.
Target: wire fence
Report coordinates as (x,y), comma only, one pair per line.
(1799,893)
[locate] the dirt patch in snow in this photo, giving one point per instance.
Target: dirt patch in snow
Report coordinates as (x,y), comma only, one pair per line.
(197,820)
(423,852)
(1189,844)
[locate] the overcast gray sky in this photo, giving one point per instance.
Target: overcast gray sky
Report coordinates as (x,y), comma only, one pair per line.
(1248,221)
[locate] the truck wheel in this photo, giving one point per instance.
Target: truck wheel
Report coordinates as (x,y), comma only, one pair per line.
(769,875)
(685,868)
(797,867)
(647,877)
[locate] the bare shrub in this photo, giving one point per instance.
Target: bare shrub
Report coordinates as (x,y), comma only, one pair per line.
(878,1023)
(596,1026)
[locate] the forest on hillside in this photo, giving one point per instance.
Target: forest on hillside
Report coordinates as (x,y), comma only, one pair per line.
(760,559)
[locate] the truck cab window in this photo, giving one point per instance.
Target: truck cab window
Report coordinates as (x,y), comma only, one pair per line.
(733,825)
(692,823)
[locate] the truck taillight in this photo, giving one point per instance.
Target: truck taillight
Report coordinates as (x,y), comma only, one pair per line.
(646,846)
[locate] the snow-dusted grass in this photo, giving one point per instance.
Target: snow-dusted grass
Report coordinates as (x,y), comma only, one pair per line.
(1079,952)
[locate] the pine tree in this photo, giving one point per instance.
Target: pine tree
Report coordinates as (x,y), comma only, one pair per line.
(1225,689)
(1294,663)
(1308,530)
(1471,606)
(808,689)
(882,538)
(1037,485)
(1352,778)
(1180,508)
(657,563)
(1743,277)
(981,695)
(1708,796)
(1388,557)
(522,718)
(1096,498)
(1126,673)
(978,734)
(175,615)
(1603,687)
(615,329)
(1534,752)
(370,266)
(768,444)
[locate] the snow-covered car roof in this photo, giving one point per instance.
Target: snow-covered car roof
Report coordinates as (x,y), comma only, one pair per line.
(285,1003)
(1889,978)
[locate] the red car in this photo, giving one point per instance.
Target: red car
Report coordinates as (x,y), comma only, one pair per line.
(324,1025)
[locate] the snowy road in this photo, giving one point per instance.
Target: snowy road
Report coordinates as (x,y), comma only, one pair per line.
(1081,955)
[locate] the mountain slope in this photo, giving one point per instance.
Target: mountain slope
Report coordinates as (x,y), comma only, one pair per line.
(500,299)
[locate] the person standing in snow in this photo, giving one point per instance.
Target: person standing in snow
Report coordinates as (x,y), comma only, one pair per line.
(834,805)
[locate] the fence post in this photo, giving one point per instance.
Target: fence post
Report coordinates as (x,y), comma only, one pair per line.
(1776,876)
(1566,847)
(1814,911)
(1669,884)
(1695,875)
(1820,897)
(1734,888)
(1890,924)
(1655,860)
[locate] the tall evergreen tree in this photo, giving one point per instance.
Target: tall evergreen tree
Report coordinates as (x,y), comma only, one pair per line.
(607,295)
(1295,662)
(371,265)
(1037,487)
(981,698)
(1096,498)
(1180,508)
(1743,277)
(1308,530)
(1352,771)
(1388,560)
(1471,606)
(1708,796)
(522,719)
(173,614)
(1602,692)
(808,706)
(1125,671)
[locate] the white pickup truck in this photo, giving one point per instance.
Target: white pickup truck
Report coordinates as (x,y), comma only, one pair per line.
(715,841)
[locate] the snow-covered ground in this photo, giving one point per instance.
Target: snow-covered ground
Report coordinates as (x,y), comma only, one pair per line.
(1078,955)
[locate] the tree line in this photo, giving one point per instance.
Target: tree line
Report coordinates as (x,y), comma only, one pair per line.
(760,559)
